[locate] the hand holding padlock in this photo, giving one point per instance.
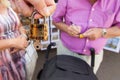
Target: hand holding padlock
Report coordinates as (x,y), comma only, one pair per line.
(38,31)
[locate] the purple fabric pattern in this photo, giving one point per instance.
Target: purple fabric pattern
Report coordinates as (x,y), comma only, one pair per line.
(12,66)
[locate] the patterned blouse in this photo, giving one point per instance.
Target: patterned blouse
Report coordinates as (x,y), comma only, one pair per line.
(12,66)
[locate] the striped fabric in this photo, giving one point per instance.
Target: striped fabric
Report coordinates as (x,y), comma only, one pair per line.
(12,66)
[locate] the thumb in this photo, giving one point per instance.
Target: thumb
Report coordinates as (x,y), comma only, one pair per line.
(37,16)
(84,34)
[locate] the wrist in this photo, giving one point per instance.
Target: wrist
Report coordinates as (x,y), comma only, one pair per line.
(11,42)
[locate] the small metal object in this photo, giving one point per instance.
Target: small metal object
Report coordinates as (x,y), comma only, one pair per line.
(38,31)
(81,36)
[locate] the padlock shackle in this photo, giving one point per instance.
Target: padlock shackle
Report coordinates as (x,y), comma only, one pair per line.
(44,19)
(33,14)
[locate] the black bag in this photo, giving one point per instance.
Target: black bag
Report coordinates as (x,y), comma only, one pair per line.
(63,67)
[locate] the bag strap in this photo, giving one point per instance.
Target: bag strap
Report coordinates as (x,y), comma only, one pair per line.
(48,50)
(92,51)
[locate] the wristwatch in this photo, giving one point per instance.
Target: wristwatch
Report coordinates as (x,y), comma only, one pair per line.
(104,32)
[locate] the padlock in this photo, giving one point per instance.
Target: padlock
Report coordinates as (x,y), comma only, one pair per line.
(38,31)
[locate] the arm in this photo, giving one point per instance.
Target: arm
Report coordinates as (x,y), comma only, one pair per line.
(95,33)
(6,44)
(113,32)
(18,43)
(62,26)
(58,16)
(72,30)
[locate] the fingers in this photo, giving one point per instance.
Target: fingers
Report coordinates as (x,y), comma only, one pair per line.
(21,42)
(74,30)
(93,33)
(38,16)
(14,51)
(38,4)
(87,33)
(24,8)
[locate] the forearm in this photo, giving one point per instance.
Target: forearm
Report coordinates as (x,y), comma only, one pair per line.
(4,44)
(62,26)
(113,32)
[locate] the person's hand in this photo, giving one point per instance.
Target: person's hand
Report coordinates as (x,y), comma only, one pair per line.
(26,7)
(44,7)
(22,7)
(14,50)
(19,43)
(74,30)
(93,33)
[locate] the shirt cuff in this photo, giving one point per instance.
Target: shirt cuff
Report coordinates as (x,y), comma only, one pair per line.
(57,20)
(118,24)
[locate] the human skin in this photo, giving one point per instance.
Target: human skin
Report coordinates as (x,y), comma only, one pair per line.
(26,7)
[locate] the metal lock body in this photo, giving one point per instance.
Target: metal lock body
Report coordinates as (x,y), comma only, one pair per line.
(39,31)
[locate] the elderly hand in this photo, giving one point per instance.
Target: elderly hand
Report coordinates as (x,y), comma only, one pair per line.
(93,33)
(74,30)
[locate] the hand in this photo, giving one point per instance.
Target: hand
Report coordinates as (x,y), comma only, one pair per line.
(20,42)
(93,33)
(74,30)
(20,6)
(26,7)
(44,7)
(14,50)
